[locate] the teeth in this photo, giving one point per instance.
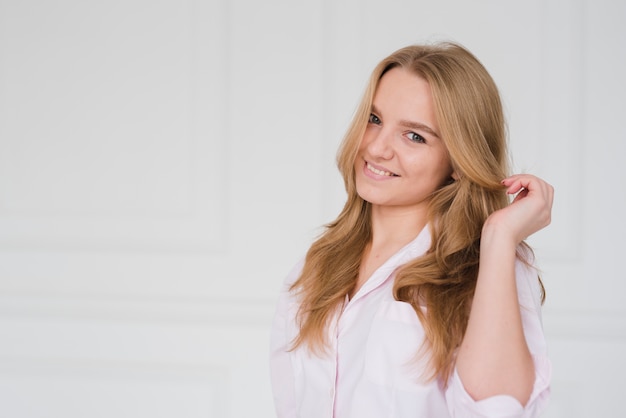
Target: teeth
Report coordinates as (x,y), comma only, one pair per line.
(377,171)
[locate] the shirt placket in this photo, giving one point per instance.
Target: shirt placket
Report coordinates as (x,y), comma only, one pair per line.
(334,338)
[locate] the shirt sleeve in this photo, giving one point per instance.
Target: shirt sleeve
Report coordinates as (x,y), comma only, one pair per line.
(461,404)
(281,370)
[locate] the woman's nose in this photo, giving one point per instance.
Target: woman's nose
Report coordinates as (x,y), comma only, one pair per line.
(381,144)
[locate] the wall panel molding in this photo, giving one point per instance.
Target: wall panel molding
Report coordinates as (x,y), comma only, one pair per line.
(201,311)
(118,150)
(155,390)
(585,324)
(559,141)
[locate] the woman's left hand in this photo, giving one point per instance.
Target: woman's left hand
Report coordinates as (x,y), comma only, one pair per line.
(530,210)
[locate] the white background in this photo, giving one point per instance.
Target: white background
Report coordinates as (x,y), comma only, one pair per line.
(164,163)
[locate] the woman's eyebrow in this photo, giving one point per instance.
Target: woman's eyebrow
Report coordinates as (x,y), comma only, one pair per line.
(411,124)
(419,126)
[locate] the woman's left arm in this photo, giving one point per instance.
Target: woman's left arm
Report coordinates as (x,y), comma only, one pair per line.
(494,358)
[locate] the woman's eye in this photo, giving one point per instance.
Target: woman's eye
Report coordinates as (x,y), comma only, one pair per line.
(374,119)
(415,137)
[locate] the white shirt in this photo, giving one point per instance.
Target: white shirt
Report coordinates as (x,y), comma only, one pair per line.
(370,369)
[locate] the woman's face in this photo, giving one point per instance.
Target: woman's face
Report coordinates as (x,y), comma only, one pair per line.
(401,160)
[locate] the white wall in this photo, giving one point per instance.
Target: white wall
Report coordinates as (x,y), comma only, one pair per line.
(164,163)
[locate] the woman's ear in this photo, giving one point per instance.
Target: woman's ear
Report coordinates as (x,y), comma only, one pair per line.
(454,176)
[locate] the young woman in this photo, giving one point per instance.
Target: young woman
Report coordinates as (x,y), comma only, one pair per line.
(420,299)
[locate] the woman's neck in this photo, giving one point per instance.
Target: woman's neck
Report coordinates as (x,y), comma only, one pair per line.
(392,229)
(395,226)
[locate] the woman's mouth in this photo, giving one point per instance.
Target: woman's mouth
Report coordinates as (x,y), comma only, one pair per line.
(378,171)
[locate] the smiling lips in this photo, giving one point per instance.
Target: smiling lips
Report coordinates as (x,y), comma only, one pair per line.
(378,171)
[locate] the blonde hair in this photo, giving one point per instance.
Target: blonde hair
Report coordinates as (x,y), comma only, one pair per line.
(472,126)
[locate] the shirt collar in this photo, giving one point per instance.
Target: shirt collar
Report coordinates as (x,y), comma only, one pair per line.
(417,247)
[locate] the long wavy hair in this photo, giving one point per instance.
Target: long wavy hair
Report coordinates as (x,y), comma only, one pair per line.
(472,126)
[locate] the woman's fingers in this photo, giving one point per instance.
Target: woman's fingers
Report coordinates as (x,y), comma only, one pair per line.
(531,208)
(525,184)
